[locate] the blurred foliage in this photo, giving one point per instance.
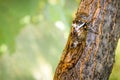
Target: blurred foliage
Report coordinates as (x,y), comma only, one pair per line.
(116,68)
(11,11)
(35,32)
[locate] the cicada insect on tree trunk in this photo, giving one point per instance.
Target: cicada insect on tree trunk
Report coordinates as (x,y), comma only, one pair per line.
(89,52)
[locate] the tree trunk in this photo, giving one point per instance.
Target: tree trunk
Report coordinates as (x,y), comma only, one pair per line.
(89,52)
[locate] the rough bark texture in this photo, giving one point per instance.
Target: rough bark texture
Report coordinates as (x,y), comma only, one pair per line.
(89,53)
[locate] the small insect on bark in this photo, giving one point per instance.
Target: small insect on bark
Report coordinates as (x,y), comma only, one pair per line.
(74,48)
(75,45)
(79,31)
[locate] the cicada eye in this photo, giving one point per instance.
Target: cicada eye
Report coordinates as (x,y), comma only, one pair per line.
(85,28)
(80,22)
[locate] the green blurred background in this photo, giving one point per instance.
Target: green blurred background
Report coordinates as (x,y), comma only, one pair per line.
(33,34)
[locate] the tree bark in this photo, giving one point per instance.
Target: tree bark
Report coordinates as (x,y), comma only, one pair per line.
(90,50)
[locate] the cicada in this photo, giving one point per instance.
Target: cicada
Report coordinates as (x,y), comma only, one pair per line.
(74,48)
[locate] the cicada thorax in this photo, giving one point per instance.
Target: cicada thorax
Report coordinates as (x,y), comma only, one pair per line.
(79,30)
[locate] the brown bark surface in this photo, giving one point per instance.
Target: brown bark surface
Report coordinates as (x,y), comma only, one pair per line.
(89,52)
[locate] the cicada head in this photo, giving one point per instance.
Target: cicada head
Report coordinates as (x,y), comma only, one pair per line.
(80,28)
